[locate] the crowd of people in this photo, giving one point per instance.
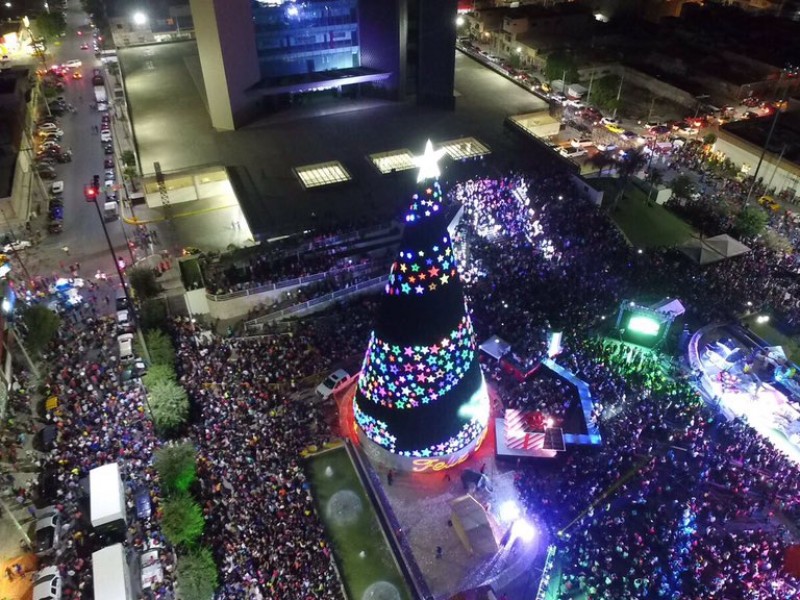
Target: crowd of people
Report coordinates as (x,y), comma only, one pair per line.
(332,251)
(251,429)
(100,419)
(678,503)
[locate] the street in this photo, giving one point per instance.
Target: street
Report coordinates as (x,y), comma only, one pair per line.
(83,235)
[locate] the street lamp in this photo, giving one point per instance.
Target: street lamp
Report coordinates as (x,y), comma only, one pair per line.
(139,18)
(459,21)
(92,192)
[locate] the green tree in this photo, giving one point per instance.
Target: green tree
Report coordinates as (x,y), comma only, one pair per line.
(709,138)
(41,325)
(604,92)
(682,186)
(153,314)
(183,521)
(176,466)
(160,348)
(750,221)
(51,25)
(158,374)
(197,574)
(630,163)
(128,158)
(560,65)
(143,281)
(169,406)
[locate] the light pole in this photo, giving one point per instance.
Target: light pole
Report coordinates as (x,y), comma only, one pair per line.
(91,193)
(766,142)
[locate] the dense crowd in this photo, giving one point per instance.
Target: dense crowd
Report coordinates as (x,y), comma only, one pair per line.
(289,259)
(251,429)
(677,504)
(100,419)
(681,504)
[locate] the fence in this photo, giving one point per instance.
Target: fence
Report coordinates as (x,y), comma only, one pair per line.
(315,303)
(270,287)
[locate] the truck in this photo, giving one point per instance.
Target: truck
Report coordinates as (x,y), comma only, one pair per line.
(110,575)
(110,211)
(100,94)
(107,501)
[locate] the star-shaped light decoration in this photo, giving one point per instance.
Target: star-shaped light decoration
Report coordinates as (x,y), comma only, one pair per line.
(428,162)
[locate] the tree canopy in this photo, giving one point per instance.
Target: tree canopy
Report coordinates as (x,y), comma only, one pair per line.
(169,405)
(50,25)
(41,325)
(197,574)
(604,92)
(750,221)
(176,466)
(160,348)
(559,65)
(182,520)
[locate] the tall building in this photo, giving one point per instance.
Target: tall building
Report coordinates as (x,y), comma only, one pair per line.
(262,55)
(421,403)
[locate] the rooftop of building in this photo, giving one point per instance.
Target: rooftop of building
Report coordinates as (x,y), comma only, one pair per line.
(261,157)
(785,138)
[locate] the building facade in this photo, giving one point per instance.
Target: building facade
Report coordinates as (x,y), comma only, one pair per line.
(264,55)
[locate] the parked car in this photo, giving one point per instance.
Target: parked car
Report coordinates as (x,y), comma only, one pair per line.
(108,163)
(48,533)
(105,135)
(769,203)
(47,584)
(47,173)
(581,142)
(570,152)
(614,128)
(108,149)
(48,126)
(16,246)
(609,121)
(326,388)
(57,187)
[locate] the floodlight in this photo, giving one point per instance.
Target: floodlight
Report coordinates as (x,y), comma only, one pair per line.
(139,18)
(523,530)
(459,21)
(644,325)
(509,511)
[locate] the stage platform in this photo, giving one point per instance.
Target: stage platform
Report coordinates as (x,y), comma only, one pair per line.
(419,507)
(747,379)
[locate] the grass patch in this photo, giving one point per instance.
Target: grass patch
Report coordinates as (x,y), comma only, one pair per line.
(363,534)
(645,226)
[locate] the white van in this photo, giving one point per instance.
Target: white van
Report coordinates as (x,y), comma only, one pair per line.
(57,187)
(125,347)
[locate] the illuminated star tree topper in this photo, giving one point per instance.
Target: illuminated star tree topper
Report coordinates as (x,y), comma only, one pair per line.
(428,163)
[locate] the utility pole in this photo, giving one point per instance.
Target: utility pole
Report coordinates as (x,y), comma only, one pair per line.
(650,112)
(777,164)
(619,93)
(91,192)
(589,91)
(766,143)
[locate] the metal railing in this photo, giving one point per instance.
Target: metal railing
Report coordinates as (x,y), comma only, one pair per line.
(298,309)
(269,287)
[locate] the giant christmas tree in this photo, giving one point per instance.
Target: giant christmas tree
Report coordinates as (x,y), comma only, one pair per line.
(421,392)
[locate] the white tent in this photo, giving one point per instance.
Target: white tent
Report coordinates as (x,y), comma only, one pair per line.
(714,249)
(496,347)
(669,306)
